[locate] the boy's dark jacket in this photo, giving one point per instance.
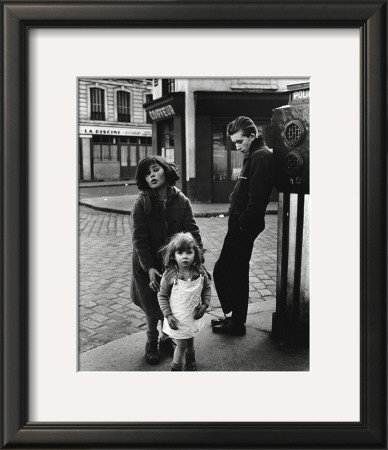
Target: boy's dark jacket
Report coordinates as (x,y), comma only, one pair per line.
(252,191)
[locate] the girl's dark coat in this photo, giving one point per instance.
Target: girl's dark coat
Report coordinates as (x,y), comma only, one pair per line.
(153,222)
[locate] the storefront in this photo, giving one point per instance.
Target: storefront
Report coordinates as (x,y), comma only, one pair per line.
(217,163)
(112,153)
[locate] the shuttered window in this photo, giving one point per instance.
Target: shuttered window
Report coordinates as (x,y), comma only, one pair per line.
(168,86)
(123,106)
(97,103)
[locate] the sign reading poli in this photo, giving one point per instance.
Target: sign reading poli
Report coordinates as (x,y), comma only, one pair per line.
(114,131)
(301,96)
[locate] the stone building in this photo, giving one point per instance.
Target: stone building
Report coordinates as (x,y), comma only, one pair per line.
(189,119)
(114,134)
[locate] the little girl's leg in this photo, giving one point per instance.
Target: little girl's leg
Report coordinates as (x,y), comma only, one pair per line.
(191,364)
(190,346)
(179,353)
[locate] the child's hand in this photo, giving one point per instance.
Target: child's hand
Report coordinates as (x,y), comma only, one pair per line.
(200,311)
(173,322)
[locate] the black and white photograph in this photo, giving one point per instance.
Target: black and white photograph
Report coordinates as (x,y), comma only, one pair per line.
(194,224)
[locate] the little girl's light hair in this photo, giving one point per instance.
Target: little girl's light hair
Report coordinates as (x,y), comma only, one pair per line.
(178,243)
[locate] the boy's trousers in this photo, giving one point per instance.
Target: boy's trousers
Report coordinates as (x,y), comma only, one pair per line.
(231,271)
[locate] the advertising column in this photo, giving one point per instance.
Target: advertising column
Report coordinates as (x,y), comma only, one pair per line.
(291,124)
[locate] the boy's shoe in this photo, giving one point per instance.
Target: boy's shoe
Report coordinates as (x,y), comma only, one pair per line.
(220,321)
(190,365)
(152,353)
(176,367)
(167,346)
(229,328)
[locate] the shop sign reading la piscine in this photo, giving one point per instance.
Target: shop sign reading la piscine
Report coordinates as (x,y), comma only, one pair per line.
(114,131)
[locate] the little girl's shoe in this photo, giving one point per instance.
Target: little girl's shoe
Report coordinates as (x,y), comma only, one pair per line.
(191,365)
(176,367)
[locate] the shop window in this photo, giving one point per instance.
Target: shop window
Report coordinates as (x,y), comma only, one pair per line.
(124,155)
(142,152)
(236,162)
(96,153)
(97,104)
(113,153)
(220,153)
(167,135)
(123,106)
(132,155)
(104,149)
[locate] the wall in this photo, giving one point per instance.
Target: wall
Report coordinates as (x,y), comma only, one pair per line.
(136,88)
(107,171)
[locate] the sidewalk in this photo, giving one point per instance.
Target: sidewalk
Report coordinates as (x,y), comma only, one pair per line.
(122,204)
(255,351)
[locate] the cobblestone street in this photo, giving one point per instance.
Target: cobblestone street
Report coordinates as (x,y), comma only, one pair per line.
(106,311)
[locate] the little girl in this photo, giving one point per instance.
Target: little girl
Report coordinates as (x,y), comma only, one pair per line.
(184,296)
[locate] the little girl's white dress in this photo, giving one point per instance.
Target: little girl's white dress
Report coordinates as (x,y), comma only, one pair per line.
(184,298)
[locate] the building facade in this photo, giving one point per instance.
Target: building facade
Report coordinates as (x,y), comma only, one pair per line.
(189,119)
(114,131)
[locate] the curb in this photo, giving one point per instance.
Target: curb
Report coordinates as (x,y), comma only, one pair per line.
(198,214)
(105,209)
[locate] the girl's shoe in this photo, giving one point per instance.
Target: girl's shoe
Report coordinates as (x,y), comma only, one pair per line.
(152,353)
(191,365)
(167,346)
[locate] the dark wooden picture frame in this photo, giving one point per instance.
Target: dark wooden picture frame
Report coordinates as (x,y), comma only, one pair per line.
(17,18)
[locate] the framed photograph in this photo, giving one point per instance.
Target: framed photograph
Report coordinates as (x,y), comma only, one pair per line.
(47,399)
